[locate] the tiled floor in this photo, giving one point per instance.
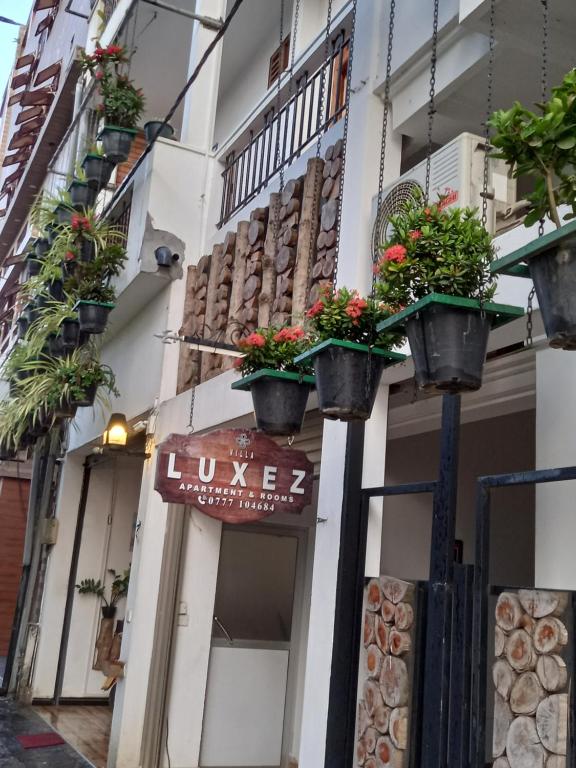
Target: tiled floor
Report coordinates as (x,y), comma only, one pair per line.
(16,720)
(85,727)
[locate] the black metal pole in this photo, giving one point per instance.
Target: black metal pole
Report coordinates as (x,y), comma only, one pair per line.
(72,581)
(438,635)
(341,721)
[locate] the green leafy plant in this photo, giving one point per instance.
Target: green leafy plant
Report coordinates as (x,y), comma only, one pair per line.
(59,381)
(433,248)
(118,588)
(122,103)
(542,146)
(346,316)
(273,348)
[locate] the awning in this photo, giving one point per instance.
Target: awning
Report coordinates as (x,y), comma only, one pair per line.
(48,73)
(43,5)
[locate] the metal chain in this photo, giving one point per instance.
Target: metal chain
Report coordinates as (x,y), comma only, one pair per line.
(529,323)
(489,110)
(544,73)
(386,101)
(321,97)
(385,121)
(277,148)
(192,399)
(432,94)
(344,141)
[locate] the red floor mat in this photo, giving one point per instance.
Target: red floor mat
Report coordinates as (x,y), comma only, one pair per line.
(35,740)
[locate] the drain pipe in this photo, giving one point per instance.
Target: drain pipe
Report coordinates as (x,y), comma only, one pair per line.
(72,579)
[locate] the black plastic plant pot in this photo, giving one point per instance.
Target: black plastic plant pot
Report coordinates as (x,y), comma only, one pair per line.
(108,611)
(69,333)
(69,267)
(31,312)
(41,302)
(87,250)
(51,234)
(33,266)
(88,399)
(82,194)
(55,345)
(448,337)
(93,316)
(448,348)
(22,326)
(56,289)
(65,409)
(117,142)
(347,377)
(154,128)
(63,214)
(279,399)
(41,247)
(97,170)
(554,275)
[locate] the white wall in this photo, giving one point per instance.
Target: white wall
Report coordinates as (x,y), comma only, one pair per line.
(496,445)
(555,447)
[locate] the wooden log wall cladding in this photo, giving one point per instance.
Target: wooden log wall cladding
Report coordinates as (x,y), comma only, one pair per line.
(326,252)
(193,322)
(383,714)
(269,271)
(531,680)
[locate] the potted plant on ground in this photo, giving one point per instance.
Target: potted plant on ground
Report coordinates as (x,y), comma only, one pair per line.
(279,386)
(122,103)
(349,354)
(435,271)
(154,128)
(118,590)
(542,147)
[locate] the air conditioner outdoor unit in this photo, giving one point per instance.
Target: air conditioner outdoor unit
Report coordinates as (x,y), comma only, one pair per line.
(456,170)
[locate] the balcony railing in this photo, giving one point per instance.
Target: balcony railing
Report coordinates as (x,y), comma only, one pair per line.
(286,134)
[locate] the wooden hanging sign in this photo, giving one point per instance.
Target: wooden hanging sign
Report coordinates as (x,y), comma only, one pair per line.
(234,475)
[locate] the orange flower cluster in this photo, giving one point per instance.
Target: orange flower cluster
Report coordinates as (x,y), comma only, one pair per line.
(252,340)
(80,223)
(102,53)
(315,309)
(355,307)
(289,334)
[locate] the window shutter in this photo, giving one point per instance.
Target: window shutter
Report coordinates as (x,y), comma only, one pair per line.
(279,61)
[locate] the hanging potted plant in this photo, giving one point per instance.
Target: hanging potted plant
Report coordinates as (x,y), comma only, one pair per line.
(33,265)
(154,128)
(95,302)
(435,269)
(41,247)
(118,590)
(122,103)
(542,146)
(349,354)
(82,195)
(279,386)
(97,169)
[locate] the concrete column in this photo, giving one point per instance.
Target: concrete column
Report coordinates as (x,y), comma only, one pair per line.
(555,565)
(354,271)
(323,599)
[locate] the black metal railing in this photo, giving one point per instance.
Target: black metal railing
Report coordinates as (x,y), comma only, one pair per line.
(286,133)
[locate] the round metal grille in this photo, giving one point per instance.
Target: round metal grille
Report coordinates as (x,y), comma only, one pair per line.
(405,192)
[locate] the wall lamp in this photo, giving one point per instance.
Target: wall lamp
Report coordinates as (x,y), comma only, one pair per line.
(115,437)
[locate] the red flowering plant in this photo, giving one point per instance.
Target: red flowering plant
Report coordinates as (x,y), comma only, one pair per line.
(434,248)
(273,348)
(122,103)
(346,316)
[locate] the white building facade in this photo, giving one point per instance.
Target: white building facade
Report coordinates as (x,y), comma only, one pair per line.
(231,635)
